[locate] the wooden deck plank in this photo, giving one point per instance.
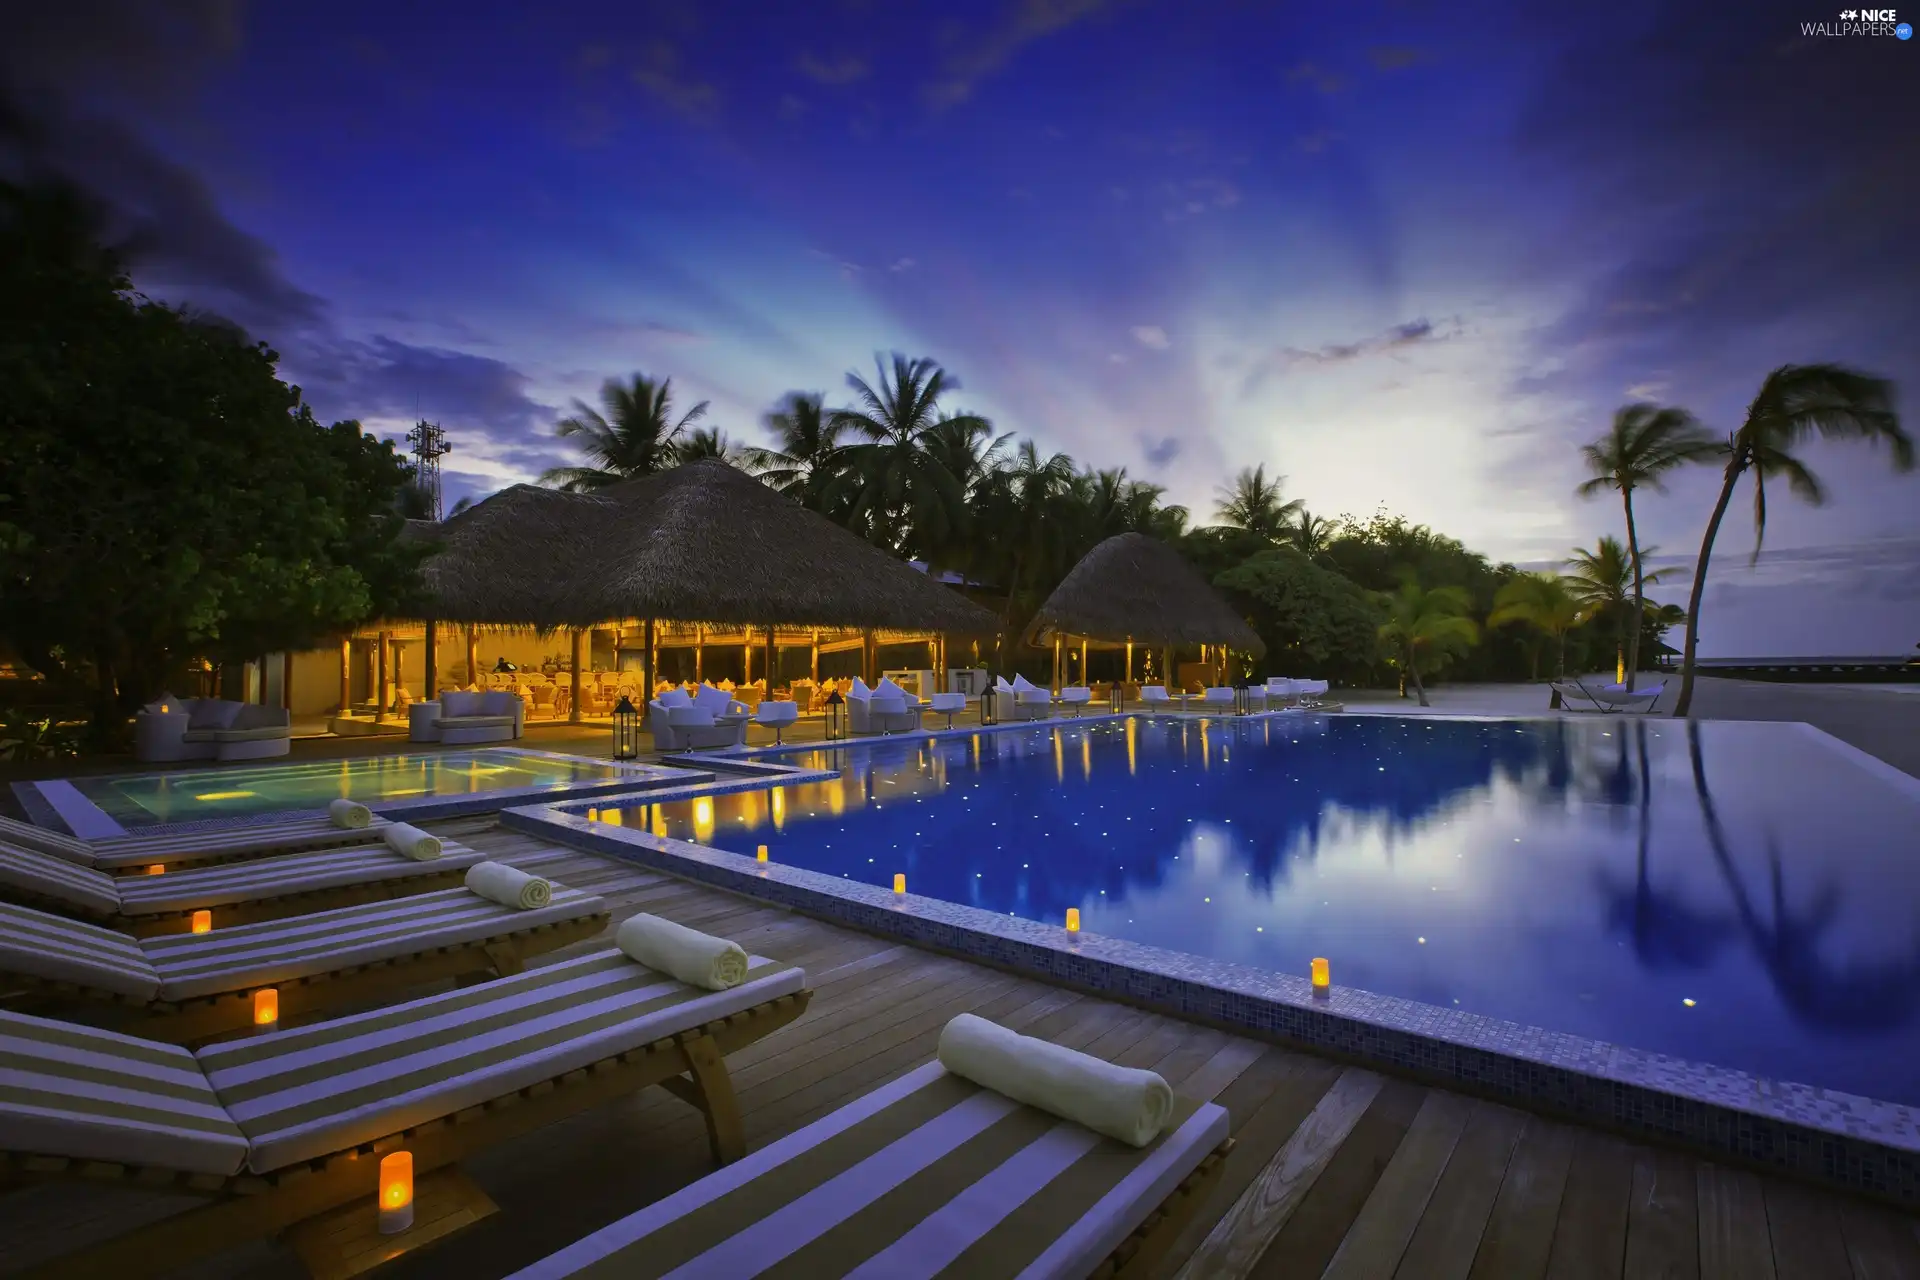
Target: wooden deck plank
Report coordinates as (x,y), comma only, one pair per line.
(1519,1234)
(1663,1219)
(1807,1240)
(1735,1241)
(1590,1237)
(1378,1238)
(1448,1237)
(1881,1243)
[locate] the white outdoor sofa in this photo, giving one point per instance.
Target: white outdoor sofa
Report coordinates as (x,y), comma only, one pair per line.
(457,717)
(708,719)
(885,708)
(210,729)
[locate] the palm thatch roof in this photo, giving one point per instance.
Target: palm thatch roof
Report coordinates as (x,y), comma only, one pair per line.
(703,542)
(1135,588)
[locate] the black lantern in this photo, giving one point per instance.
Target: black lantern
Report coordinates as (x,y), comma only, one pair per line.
(626,730)
(988,709)
(833,704)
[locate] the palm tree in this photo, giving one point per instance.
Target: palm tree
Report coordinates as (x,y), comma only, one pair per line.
(1425,626)
(904,493)
(1021,514)
(1252,502)
(635,436)
(805,459)
(1541,601)
(1310,534)
(1604,584)
(707,442)
(1793,404)
(1645,442)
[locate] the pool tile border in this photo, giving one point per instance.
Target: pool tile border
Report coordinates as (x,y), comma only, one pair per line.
(1855,1143)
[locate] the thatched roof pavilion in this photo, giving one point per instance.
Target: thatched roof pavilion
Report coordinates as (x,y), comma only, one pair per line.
(703,542)
(1134,589)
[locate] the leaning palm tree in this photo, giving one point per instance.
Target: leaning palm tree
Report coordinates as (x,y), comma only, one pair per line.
(635,436)
(1310,534)
(1425,626)
(805,458)
(1793,404)
(1645,442)
(903,493)
(1540,601)
(1253,502)
(1604,585)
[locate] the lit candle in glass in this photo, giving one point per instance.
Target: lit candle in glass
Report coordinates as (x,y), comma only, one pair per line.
(396,1193)
(156,869)
(760,854)
(203,921)
(266,1008)
(1073,919)
(899,882)
(1322,976)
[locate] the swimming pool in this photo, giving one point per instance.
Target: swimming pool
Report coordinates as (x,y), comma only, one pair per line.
(1744,895)
(149,799)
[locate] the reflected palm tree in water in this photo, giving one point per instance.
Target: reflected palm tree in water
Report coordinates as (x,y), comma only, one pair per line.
(1666,933)
(1857,997)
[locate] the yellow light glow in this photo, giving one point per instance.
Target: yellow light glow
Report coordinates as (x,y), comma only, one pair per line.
(1322,975)
(156,869)
(593,815)
(224,795)
(702,818)
(1684,1000)
(1133,746)
(1206,757)
(899,882)
(659,822)
(1059,759)
(1086,756)
(414,791)
(266,1006)
(396,1180)
(779,808)
(164,708)
(203,921)
(1073,919)
(760,854)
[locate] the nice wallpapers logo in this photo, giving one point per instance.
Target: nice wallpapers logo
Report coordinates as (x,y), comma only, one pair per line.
(1861,22)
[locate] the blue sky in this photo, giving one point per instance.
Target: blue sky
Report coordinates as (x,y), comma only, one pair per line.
(1407,254)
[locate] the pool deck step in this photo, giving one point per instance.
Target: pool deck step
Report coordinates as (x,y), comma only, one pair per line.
(1339,1171)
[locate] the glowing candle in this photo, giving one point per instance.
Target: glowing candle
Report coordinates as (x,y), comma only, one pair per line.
(203,921)
(760,854)
(1322,978)
(1073,919)
(396,1193)
(156,869)
(899,882)
(266,1008)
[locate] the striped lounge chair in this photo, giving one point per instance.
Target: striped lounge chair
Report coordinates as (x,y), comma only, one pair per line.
(931,1175)
(277,1129)
(188,987)
(137,852)
(237,893)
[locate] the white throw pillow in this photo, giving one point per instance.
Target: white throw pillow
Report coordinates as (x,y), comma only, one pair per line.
(674,698)
(212,713)
(859,689)
(712,701)
(455,703)
(888,687)
(1021,684)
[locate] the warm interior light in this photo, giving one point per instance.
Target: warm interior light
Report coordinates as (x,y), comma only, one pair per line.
(1322,976)
(203,921)
(760,854)
(1073,919)
(155,869)
(396,1192)
(164,708)
(224,795)
(266,1006)
(899,882)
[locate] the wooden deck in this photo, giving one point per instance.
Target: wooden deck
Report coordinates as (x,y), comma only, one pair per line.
(1339,1171)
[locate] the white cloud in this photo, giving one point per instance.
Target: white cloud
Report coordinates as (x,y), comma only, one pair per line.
(1151,335)
(903,264)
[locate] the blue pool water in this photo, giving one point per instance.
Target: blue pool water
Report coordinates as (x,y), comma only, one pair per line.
(1741,894)
(192,795)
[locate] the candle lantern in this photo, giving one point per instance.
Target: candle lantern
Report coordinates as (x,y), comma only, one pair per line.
(835,730)
(1322,977)
(203,921)
(156,869)
(988,708)
(396,1192)
(760,854)
(626,730)
(899,882)
(1073,919)
(266,1008)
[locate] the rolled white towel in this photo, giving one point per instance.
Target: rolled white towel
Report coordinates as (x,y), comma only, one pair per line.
(509,886)
(412,841)
(1130,1105)
(350,814)
(697,959)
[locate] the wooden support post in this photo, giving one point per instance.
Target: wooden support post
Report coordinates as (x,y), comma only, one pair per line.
(473,657)
(699,655)
(773,660)
(286,679)
(381,641)
(1128,677)
(430,678)
(746,656)
(1083,661)
(346,675)
(648,675)
(573,711)
(1059,642)
(813,665)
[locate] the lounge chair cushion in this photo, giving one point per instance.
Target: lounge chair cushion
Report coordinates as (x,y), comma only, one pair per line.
(280,951)
(59,950)
(44,876)
(455,703)
(233,882)
(58,843)
(95,1095)
(930,1175)
(120,852)
(301,1093)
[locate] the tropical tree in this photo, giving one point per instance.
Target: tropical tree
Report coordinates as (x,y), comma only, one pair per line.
(1603,583)
(1424,627)
(1795,403)
(636,435)
(1540,601)
(1645,442)
(1021,514)
(903,493)
(707,442)
(1309,616)
(1254,503)
(805,461)
(1309,534)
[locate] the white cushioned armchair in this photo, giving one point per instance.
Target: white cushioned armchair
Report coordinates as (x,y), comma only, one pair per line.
(211,729)
(498,715)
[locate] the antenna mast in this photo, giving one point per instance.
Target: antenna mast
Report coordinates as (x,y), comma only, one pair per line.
(429,446)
